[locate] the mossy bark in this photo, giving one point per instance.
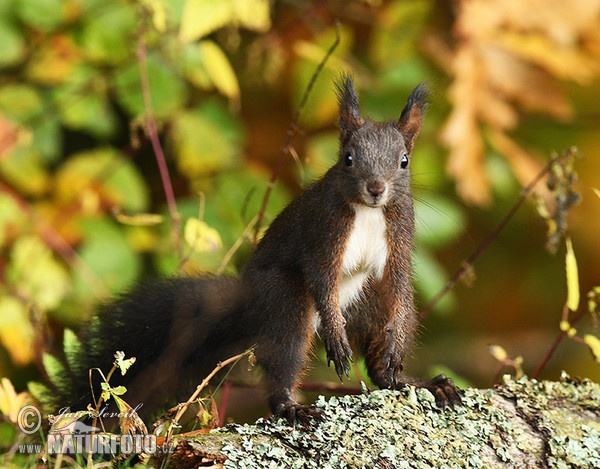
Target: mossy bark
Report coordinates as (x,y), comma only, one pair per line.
(519,424)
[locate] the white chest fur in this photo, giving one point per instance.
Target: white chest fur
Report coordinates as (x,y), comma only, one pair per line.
(365,253)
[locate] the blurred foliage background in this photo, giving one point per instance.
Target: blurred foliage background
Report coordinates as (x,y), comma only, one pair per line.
(83,208)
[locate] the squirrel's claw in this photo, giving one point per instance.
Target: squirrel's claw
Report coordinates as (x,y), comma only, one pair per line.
(298,413)
(393,366)
(445,392)
(340,353)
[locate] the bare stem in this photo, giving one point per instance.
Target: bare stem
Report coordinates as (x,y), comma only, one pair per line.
(199,389)
(291,131)
(152,132)
(559,338)
(468,263)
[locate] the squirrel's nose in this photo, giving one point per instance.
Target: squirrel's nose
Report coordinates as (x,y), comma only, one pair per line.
(376,188)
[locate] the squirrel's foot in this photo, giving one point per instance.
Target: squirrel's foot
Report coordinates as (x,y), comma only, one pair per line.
(445,392)
(339,352)
(299,413)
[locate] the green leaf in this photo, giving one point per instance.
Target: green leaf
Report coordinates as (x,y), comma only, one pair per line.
(107,253)
(167,88)
(107,34)
(72,348)
(105,173)
(13,45)
(54,369)
(123,363)
(118,391)
(42,14)
(321,154)
(322,105)
(36,275)
(20,101)
(206,140)
(395,38)
(438,220)
(81,109)
(430,278)
(23,169)
(572,277)
(593,343)
(47,139)
(225,191)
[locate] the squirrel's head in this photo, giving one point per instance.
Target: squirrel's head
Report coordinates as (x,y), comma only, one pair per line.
(374,157)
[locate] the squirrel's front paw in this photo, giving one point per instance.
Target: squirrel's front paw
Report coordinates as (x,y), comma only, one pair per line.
(339,352)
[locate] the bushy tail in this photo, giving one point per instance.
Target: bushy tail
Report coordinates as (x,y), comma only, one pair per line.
(167,325)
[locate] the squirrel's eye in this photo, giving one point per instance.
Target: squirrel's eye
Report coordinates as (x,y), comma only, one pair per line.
(404,161)
(348,159)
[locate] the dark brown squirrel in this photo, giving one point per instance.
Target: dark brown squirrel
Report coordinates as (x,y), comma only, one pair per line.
(337,258)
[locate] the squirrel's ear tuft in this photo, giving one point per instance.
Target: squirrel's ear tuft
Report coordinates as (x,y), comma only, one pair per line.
(411,119)
(349,116)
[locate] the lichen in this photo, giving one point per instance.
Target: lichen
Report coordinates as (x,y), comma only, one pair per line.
(522,423)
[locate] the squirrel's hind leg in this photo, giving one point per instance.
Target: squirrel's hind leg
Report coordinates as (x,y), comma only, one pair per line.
(283,346)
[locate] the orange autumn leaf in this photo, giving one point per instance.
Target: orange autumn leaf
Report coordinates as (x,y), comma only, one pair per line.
(506,60)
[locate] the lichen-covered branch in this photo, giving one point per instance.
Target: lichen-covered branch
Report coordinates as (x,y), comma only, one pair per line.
(519,424)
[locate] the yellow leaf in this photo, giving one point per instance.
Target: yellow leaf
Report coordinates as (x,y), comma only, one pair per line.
(55,60)
(11,402)
(159,13)
(252,14)
(219,69)
(129,420)
(140,219)
(16,333)
(594,344)
(564,62)
(201,237)
(565,326)
(37,275)
(202,17)
(498,352)
(572,277)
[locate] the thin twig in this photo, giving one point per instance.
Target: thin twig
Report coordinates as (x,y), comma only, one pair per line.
(292,130)
(467,265)
(559,338)
(152,132)
(199,389)
(238,243)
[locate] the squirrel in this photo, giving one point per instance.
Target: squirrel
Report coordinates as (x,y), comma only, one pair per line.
(336,260)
